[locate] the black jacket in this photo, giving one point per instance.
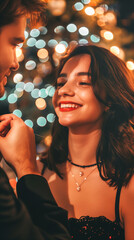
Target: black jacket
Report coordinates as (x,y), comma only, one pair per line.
(35,215)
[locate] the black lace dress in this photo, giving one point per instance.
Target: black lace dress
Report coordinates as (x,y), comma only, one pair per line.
(97,228)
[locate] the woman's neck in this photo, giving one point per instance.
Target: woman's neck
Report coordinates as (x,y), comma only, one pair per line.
(83,147)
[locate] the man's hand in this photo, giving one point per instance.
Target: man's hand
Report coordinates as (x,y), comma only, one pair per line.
(18,146)
(4,128)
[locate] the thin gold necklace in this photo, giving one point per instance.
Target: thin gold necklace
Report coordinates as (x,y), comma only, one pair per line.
(78,185)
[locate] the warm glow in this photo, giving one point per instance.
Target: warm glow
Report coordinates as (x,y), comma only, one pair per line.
(48,140)
(42,53)
(118,52)
(99,10)
(130,65)
(115,50)
(56,7)
(110,18)
(89,11)
(101,22)
(18,52)
(108,35)
(40,103)
(60,48)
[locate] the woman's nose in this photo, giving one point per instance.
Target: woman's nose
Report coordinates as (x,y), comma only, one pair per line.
(66,89)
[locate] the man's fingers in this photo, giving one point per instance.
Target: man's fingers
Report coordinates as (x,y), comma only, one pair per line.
(4,125)
(7,116)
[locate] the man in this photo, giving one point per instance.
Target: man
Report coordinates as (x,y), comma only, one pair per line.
(39,217)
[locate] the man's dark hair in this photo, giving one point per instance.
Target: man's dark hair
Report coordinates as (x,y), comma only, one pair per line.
(11,9)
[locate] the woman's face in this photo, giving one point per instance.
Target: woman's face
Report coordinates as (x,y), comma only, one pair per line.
(74,100)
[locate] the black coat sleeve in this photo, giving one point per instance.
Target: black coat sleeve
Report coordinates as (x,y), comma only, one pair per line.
(15,221)
(52,220)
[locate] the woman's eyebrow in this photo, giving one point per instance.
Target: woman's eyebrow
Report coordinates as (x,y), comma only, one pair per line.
(77,74)
(83,73)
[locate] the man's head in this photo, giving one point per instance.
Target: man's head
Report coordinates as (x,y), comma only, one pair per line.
(13,16)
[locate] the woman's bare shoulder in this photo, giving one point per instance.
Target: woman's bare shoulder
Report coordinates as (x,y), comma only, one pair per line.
(127,197)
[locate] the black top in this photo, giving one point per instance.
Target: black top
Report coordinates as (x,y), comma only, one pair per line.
(97,228)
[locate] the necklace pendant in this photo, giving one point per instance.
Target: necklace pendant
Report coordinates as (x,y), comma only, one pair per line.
(78,188)
(81,173)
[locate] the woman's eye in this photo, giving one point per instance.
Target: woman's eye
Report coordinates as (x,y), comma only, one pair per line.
(85,83)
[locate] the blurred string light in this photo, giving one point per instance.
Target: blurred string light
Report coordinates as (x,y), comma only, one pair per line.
(17,77)
(52,43)
(43,30)
(18,94)
(20,86)
(50,90)
(89,11)
(86,1)
(19,54)
(48,140)
(42,53)
(35,93)
(43,93)
(34,33)
(50,117)
(130,65)
(118,52)
(110,18)
(37,81)
(60,48)
(78,6)
(56,7)
(30,65)
(59,29)
(40,103)
(64,43)
(17,112)
(29,123)
(12,98)
(95,38)
(83,41)
(41,121)
(29,86)
(31,42)
(99,11)
(84,31)
(4,96)
(26,34)
(108,35)
(40,44)
(71,27)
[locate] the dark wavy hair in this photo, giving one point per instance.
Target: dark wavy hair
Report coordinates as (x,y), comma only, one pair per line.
(12,9)
(116,146)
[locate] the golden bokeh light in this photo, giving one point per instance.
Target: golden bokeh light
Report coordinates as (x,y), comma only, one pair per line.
(40,103)
(130,65)
(42,53)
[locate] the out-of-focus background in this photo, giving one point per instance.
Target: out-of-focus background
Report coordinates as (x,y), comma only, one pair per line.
(29,92)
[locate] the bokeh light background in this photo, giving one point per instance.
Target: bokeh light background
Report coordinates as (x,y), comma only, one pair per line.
(29,92)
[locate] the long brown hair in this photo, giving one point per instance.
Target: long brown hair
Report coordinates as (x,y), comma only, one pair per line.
(116,146)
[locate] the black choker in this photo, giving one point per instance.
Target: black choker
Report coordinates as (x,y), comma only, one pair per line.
(82,166)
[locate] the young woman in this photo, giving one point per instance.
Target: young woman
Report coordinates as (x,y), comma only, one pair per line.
(90,163)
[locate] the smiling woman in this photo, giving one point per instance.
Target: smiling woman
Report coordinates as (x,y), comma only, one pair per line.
(91,157)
